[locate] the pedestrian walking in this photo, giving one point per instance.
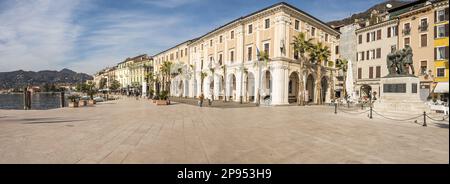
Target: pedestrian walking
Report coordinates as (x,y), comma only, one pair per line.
(201,98)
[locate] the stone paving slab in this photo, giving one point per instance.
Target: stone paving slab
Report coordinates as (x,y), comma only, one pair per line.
(137,131)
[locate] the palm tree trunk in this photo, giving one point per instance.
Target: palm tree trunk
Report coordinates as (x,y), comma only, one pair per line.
(319,85)
(344,90)
(301,90)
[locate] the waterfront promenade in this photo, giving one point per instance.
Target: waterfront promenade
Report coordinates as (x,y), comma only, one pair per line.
(137,131)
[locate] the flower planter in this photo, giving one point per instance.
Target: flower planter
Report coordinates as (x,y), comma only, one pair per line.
(83,103)
(73,104)
(92,102)
(162,102)
(153,101)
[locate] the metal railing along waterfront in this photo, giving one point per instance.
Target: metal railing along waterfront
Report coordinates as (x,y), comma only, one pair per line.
(413,118)
(38,100)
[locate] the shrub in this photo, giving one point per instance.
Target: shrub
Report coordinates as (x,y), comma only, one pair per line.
(164,95)
(73,98)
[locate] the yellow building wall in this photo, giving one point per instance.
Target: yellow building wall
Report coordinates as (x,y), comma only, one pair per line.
(438,42)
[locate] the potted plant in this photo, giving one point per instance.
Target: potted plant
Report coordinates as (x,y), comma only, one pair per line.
(91,93)
(163,98)
(73,103)
(83,102)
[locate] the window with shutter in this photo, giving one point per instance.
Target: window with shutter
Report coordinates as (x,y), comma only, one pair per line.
(378,72)
(367,55)
(360,39)
(440,72)
(446,53)
(423,67)
(389,32)
(406,42)
(423,40)
(267,23)
(378,53)
(379,34)
(368,37)
(297,25)
(441,53)
(359,73)
(370,72)
(266,48)
(441,29)
(249,53)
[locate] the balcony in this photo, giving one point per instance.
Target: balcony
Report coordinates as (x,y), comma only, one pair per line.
(423,27)
(406,31)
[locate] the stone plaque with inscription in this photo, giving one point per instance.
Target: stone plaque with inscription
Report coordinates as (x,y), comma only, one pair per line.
(394,88)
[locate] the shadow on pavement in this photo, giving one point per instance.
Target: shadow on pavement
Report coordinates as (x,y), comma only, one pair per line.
(54,121)
(214,104)
(442,125)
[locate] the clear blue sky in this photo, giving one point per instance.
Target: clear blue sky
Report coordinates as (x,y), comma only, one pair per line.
(87,35)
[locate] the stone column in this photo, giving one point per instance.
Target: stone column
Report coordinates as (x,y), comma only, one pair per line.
(239,83)
(225,62)
(240,60)
(217,80)
(279,84)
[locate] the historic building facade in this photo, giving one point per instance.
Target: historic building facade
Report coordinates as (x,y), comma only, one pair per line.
(178,56)
(131,73)
(441,49)
(225,60)
(107,75)
(373,44)
(415,30)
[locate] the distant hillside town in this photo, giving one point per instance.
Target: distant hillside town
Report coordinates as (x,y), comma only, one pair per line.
(42,80)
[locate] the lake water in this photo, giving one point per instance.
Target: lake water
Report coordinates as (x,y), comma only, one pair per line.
(39,101)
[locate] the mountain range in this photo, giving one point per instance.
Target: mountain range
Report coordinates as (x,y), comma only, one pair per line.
(20,78)
(380,7)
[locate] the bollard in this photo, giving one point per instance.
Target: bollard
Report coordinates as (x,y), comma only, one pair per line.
(370,115)
(62,99)
(362,106)
(348,105)
(25,99)
(29,100)
(335,108)
(424,119)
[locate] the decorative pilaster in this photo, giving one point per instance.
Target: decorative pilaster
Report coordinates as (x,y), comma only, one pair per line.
(280,40)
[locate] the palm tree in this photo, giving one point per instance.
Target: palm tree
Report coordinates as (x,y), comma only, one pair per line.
(262,57)
(202,76)
(212,74)
(318,54)
(301,46)
(246,83)
(342,64)
(150,80)
(165,70)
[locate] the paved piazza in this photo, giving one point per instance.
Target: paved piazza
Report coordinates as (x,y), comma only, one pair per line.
(130,131)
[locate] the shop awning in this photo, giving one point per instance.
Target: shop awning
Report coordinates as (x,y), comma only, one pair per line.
(441,87)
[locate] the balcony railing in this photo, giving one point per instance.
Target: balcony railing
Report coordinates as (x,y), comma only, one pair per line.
(423,27)
(406,31)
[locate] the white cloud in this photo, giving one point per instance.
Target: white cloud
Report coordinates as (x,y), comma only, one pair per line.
(118,34)
(169,3)
(36,34)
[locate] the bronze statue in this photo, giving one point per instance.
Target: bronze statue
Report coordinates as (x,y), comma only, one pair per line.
(399,62)
(408,59)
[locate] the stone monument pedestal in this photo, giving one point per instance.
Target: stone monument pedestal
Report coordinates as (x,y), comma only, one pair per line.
(400,93)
